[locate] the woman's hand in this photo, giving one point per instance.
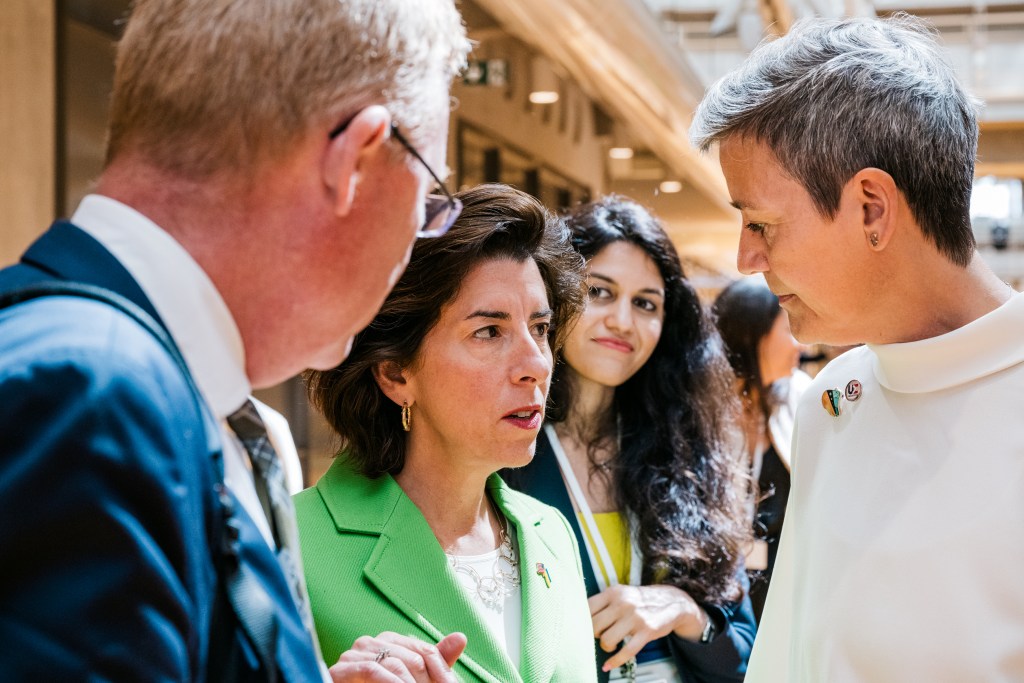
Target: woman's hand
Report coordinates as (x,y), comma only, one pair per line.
(393,658)
(642,614)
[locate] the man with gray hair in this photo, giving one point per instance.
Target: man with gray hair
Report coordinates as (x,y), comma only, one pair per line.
(848,147)
(268,168)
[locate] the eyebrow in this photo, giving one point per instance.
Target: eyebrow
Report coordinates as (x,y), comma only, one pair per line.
(502,315)
(738,205)
(645,290)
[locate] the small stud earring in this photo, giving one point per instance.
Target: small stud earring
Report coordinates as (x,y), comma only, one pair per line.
(874,239)
(406,416)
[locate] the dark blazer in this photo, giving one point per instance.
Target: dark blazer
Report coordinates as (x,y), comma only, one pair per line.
(111,529)
(723,659)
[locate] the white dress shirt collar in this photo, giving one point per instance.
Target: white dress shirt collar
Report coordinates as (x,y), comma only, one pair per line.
(181,292)
(985,346)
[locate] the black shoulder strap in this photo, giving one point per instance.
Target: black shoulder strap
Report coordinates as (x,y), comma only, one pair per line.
(249,600)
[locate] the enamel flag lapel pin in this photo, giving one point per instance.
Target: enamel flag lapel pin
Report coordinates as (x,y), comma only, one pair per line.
(543,572)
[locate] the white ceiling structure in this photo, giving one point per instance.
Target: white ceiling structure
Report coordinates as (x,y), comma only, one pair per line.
(984,40)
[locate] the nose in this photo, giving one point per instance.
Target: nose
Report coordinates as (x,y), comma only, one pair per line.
(751,257)
(620,315)
(532,361)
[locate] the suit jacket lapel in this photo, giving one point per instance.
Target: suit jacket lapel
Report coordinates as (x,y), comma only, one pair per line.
(542,613)
(543,480)
(406,555)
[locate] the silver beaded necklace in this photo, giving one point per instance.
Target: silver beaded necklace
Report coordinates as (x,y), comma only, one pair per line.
(492,590)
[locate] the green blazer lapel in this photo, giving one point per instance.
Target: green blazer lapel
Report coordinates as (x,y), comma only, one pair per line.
(542,600)
(411,571)
(405,558)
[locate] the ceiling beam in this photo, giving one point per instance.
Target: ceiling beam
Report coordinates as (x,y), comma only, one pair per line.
(620,56)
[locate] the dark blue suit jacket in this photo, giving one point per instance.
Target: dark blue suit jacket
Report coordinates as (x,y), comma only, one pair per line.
(722,660)
(111,529)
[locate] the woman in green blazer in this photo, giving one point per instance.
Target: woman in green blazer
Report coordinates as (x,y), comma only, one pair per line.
(411,532)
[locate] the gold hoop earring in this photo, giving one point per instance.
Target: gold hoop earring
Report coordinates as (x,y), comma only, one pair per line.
(874,239)
(406,416)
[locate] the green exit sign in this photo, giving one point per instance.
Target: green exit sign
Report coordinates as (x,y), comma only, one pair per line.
(490,72)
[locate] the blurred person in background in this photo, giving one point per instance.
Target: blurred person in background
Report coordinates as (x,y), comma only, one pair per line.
(267,171)
(411,531)
(848,147)
(635,453)
(764,357)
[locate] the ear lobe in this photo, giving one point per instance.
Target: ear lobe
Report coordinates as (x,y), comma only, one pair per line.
(878,198)
(347,154)
(392,381)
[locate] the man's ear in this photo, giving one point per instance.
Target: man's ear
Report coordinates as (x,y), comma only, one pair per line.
(878,198)
(392,381)
(347,153)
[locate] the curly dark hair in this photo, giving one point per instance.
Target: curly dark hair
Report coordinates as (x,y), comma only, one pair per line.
(497,222)
(675,472)
(745,312)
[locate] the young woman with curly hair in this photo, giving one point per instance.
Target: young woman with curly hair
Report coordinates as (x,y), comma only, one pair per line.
(635,452)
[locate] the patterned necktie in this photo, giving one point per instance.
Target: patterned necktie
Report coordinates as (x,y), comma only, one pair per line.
(277,503)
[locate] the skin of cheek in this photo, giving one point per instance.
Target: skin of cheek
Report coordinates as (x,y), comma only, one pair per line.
(477,364)
(623,273)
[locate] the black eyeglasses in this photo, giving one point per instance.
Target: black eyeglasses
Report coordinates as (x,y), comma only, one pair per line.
(440,210)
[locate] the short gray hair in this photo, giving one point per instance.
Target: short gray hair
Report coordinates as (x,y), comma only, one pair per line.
(833,97)
(203,86)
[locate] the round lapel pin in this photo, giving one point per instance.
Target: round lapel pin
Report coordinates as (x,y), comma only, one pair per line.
(853,390)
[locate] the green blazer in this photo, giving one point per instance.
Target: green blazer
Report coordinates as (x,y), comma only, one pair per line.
(373,564)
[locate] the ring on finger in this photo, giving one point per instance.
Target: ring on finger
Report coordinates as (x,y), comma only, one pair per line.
(382,654)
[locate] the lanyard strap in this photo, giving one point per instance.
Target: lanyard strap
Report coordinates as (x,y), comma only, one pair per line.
(593,539)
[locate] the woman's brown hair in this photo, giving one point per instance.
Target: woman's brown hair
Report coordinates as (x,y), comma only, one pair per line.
(497,222)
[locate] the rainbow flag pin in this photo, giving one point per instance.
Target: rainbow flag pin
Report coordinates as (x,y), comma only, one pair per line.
(543,572)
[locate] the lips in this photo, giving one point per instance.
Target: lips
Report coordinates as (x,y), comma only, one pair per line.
(614,344)
(783,298)
(527,417)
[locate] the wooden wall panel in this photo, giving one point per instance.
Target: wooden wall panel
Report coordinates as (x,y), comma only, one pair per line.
(27,122)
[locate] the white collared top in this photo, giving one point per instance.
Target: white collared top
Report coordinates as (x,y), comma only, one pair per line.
(903,545)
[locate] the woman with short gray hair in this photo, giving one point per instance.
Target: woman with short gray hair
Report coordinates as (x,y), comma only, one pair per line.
(848,147)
